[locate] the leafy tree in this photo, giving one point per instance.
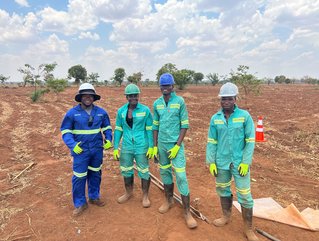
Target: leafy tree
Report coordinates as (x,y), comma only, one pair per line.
(248,82)
(135,78)
(213,78)
(46,71)
(280,79)
(78,72)
(309,80)
(3,78)
(198,77)
(166,68)
(57,85)
(93,78)
(183,77)
(119,75)
(29,75)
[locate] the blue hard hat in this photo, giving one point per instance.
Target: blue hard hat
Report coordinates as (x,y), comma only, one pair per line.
(166,79)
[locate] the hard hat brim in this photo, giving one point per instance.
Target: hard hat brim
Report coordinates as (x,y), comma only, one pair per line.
(78,97)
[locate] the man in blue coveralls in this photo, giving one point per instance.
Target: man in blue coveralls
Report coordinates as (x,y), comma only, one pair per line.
(82,129)
(170,123)
(229,152)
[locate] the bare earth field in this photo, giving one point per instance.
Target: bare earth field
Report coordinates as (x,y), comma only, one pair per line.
(37,205)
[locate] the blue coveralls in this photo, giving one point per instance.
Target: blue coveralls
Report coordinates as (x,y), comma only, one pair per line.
(87,165)
(135,141)
(230,143)
(168,120)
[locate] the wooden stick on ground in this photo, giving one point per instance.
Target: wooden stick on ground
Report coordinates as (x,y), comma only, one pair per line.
(28,167)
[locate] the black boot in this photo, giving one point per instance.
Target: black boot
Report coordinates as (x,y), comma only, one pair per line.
(128,182)
(169,200)
(190,221)
(145,188)
(226,203)
(247,214)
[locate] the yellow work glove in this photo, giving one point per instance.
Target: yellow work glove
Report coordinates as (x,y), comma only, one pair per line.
(243,169)
(154,154)
(149,153)
(116,155)
(173,152)
(213,169)
(107,145)
(77,149)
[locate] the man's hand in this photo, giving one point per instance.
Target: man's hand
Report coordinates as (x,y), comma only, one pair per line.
(243,169)
(116,155)
(149,153)
(107,145)
(213,169)
(173,152)
(77,149)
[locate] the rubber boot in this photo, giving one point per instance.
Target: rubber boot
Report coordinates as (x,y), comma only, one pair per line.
(226,203)
(247,214)
(169,200)
(190,221)
(145,188)
(128,182)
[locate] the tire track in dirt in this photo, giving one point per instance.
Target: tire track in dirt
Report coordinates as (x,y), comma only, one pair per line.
(6,113)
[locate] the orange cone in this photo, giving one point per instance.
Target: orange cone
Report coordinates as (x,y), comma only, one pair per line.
(260,130)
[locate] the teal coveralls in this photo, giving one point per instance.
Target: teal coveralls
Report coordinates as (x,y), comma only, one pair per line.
(136,140)
(168,120)
(230,143)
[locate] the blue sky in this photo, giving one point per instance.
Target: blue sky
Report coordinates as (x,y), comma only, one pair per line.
(271,37)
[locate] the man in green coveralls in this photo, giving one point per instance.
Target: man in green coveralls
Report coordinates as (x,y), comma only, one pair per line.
(170,123)
(134,126)
(229,152)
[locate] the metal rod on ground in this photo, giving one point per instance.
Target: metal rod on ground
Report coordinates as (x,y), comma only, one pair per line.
(267,235)
(193,210)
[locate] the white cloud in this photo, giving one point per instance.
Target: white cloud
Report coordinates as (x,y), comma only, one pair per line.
(89,35)
(23,3)
(17,28)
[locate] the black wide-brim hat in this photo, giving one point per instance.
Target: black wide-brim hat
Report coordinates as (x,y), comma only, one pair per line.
(78,97)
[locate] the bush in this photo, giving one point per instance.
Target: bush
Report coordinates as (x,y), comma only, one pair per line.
(57,85)
(36,95)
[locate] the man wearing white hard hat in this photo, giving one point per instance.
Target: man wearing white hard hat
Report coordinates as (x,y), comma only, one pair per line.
(229,152)
(86,130)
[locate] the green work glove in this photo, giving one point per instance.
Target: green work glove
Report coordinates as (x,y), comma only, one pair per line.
(155,151)
(243,169)
(107,145)
(149,153)
(173,151)
(77,149)
(116,155)
(213,169)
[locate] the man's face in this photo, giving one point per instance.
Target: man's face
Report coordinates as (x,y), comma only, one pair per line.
(167,89)
(87,100)
(227,103)
(132,99)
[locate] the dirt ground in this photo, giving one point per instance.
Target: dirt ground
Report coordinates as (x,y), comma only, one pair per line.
(37,205)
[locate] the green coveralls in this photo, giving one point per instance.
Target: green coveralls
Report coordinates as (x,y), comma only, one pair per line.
(229,144)
(168,121)
(136,140)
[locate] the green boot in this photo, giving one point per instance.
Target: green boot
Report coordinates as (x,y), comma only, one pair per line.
(169,200)
(190,221)
(247,214)
(145,188)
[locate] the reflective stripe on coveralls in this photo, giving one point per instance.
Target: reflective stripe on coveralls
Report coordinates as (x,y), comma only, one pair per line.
(127,167)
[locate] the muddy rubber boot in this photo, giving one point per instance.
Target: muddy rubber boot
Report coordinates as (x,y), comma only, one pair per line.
(169,200)
(247,214)
(190,221)
(145,188)
(226,203)
(128,182)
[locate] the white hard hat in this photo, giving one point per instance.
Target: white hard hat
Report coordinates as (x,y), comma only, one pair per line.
(228,89)
(86,89)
